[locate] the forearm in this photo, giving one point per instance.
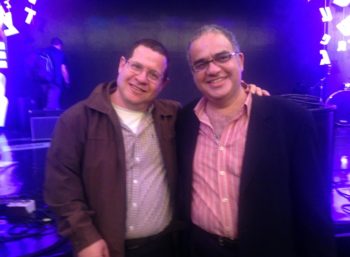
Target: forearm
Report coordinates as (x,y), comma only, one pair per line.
(65,74)
(64,196)
(64,191)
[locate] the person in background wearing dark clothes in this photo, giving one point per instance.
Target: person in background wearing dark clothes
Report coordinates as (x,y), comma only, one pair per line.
(249,178)
(60,75)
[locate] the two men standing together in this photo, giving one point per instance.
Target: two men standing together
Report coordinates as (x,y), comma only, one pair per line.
(246,179)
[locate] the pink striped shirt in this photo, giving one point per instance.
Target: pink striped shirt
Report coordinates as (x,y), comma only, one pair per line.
(216,172)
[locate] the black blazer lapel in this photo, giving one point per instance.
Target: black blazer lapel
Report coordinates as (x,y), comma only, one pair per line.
(259,134)
(187,129)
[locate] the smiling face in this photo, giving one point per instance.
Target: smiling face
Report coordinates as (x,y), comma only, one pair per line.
(135,90)
(219,82)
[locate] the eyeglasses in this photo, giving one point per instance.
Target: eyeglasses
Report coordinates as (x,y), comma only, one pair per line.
(138,68)
(219,58)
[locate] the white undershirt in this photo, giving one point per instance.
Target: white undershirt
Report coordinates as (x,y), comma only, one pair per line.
(129,118)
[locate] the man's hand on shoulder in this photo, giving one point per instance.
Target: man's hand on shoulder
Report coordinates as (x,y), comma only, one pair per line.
(254,89)
(97,249)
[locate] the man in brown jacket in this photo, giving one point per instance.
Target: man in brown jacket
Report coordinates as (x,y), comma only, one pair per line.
(111,164)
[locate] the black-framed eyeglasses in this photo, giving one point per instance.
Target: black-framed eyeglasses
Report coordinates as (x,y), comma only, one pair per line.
(219,58)
(138,68)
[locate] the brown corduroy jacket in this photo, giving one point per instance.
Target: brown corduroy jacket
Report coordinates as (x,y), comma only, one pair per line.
(85,171)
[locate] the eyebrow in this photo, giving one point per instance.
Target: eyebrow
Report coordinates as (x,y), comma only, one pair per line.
(205,59)
(149,69)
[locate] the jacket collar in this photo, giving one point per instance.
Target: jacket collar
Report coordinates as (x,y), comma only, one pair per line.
(99,100)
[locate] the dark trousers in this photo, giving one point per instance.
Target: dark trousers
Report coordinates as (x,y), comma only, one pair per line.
(204,244)
(161,245)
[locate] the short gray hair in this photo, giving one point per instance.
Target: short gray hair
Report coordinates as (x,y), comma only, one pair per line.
(212,28)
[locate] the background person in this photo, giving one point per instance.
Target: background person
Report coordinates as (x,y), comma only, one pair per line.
(50,75)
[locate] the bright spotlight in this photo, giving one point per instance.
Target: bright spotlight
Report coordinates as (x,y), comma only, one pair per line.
(344,26)
(341,46)
(341,3)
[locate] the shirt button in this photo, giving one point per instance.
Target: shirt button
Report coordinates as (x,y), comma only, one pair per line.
(135,181)
(131,227)
(134,205)
(221,148)
(222,172)
(224,200)
(137,159)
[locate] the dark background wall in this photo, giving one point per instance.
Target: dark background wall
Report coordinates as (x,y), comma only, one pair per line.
(280,40)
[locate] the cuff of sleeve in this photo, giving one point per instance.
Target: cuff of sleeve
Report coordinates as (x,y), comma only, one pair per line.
(84,237)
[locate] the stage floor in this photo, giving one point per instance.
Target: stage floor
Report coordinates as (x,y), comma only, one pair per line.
(22,165)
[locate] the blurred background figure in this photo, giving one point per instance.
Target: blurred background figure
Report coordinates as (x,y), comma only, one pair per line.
(51,75)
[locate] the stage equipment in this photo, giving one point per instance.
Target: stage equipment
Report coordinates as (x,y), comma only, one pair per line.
(341,99)
(323,115)
(42,127)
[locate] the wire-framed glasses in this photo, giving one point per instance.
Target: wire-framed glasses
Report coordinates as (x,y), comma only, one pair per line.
(219,58)
(138,68)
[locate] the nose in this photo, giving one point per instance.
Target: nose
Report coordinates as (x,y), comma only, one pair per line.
(142,77)
(213,67)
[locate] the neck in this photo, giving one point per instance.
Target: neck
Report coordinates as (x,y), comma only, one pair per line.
(228,107)
(220,115)
(118,100)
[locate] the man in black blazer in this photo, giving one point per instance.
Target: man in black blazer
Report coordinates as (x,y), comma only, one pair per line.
(249,179)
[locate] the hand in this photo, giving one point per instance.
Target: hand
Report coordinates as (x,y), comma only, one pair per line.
(255,90)
(97,249)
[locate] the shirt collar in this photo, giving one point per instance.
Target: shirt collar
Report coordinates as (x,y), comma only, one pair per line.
(199,109)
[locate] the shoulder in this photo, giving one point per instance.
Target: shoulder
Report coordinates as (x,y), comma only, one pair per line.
(281,109)
(187,117)
(278,104)
(191,105)
(167,105)
(188,109)
(54,52)
(75,113)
